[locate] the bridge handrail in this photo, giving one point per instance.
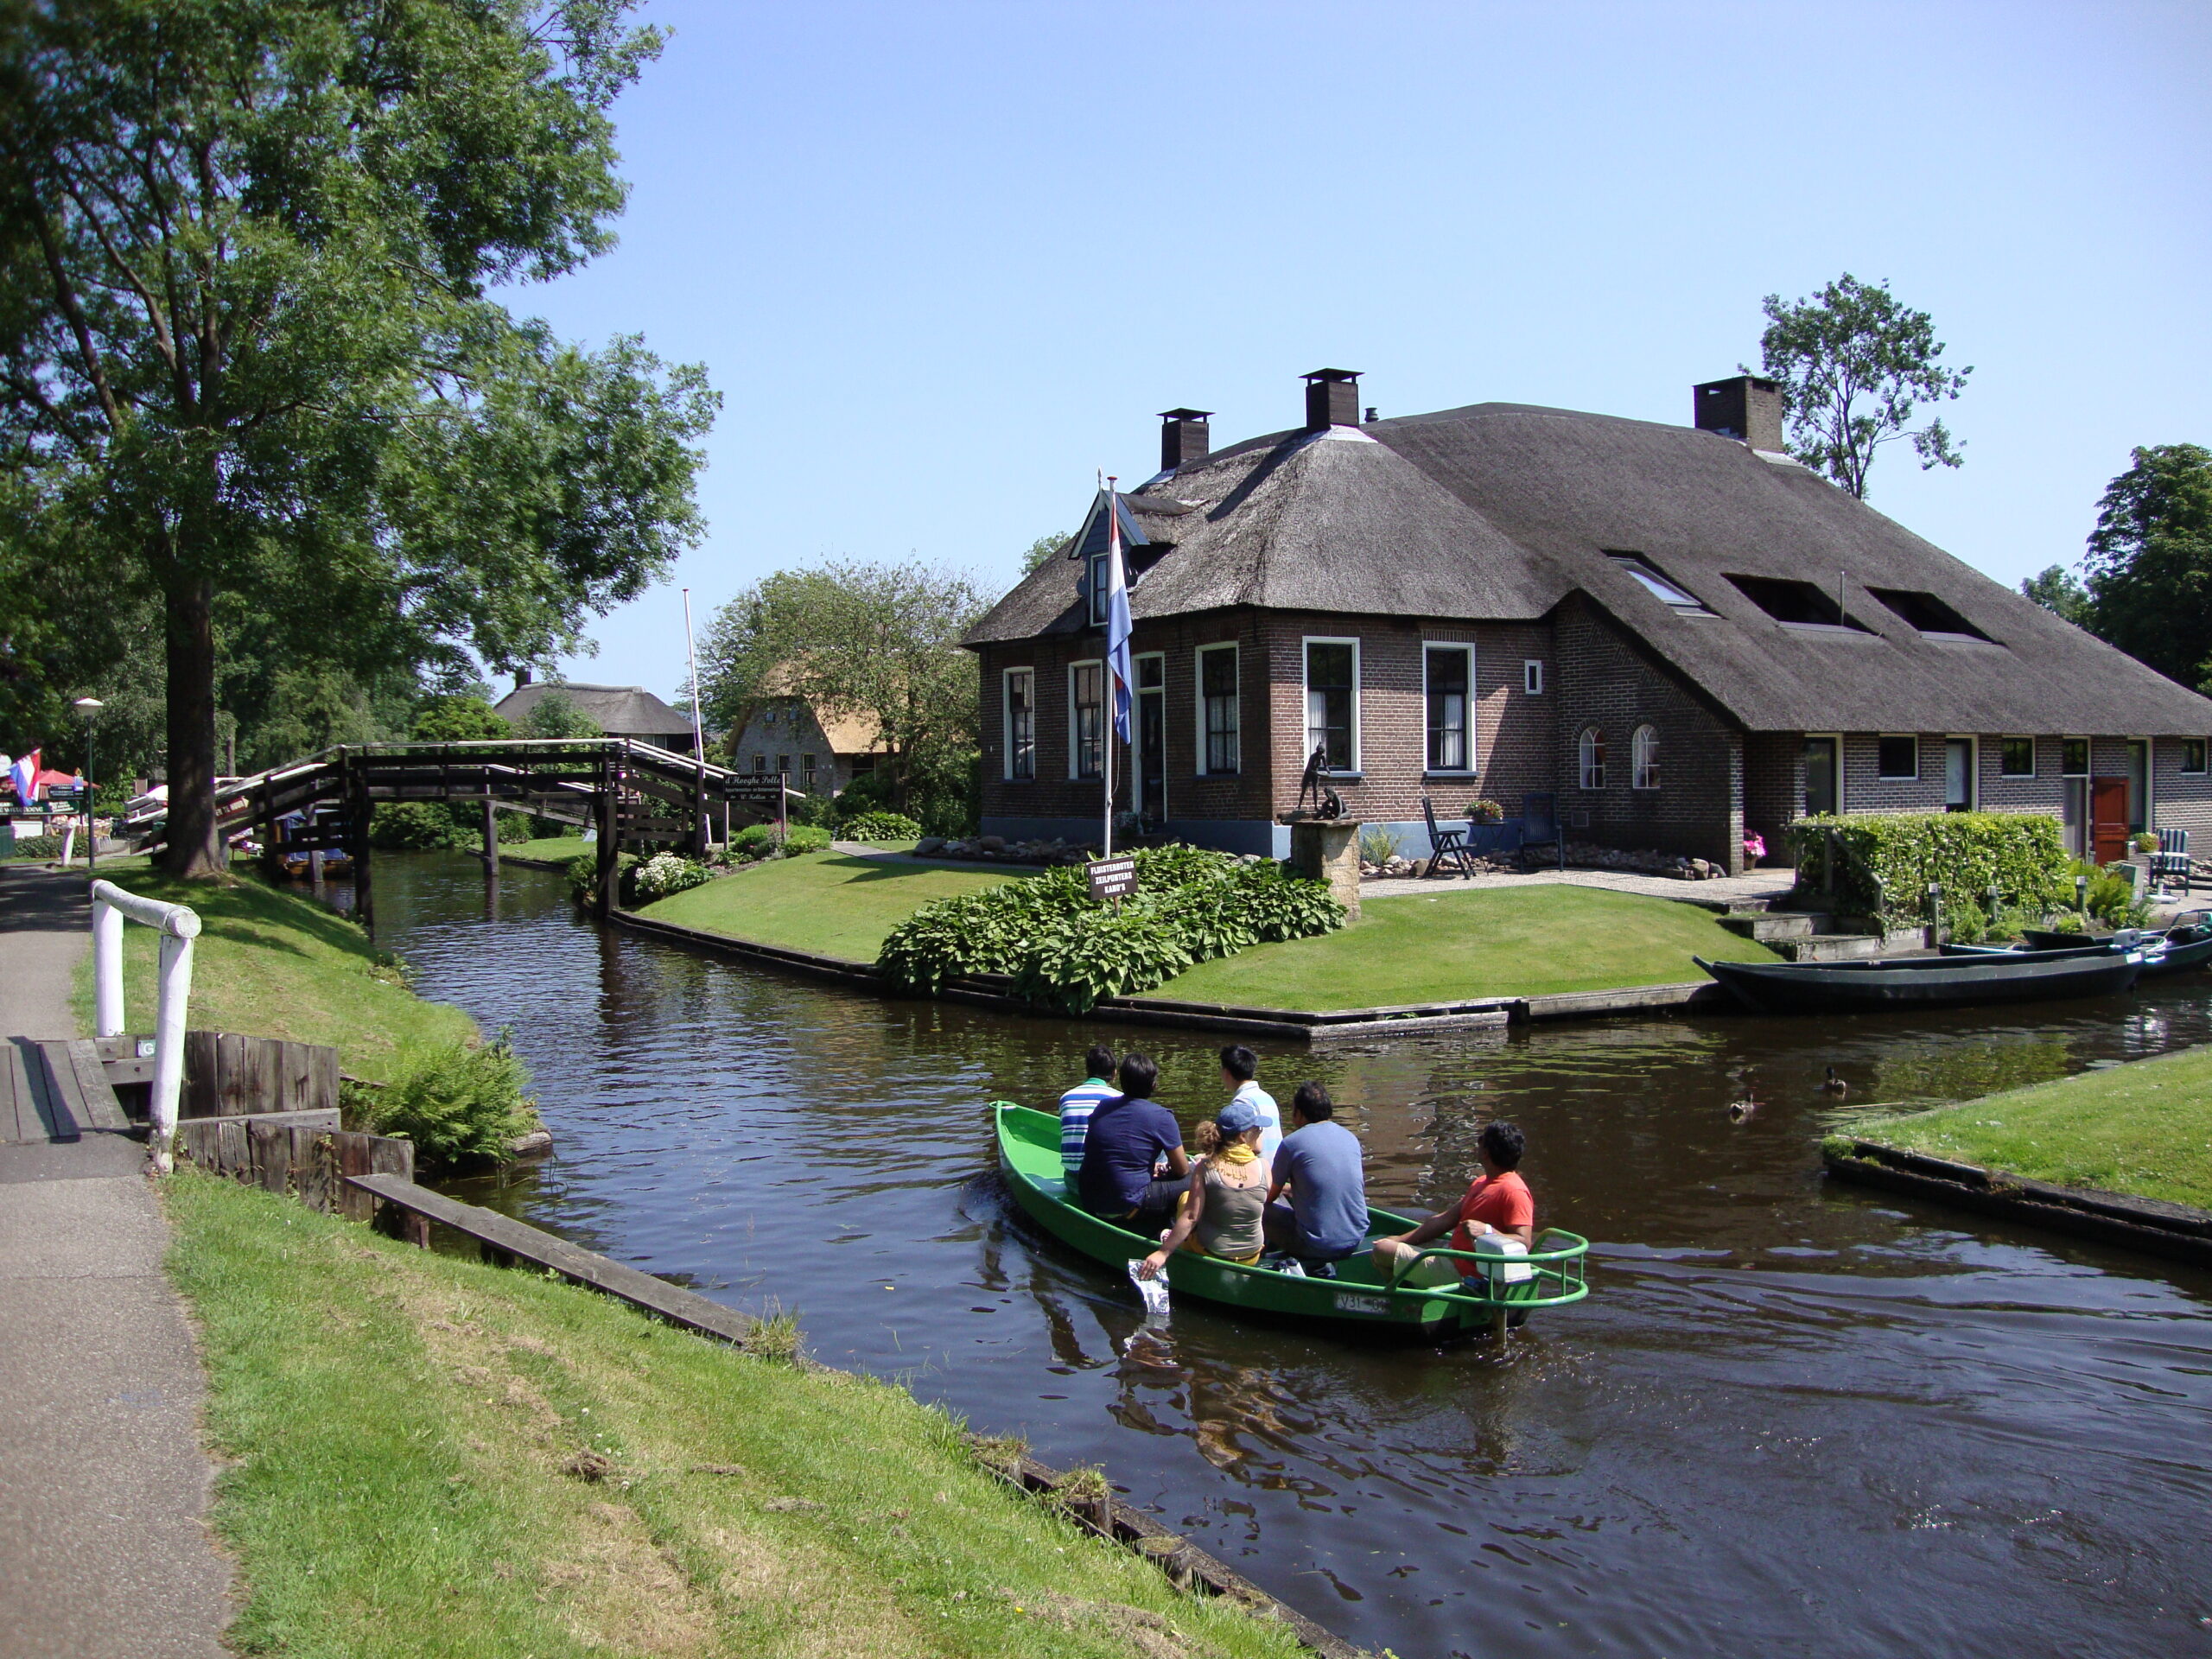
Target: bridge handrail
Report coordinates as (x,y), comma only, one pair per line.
(179,924)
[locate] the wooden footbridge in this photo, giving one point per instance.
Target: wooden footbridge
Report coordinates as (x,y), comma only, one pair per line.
(637,797)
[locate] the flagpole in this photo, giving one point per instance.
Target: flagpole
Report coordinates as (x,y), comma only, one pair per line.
(1106,735)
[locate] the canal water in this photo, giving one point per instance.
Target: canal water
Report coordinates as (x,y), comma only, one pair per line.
(1791,1419)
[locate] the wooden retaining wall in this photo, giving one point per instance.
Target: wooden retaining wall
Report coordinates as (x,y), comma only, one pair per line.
(229,1075)
(303,1153)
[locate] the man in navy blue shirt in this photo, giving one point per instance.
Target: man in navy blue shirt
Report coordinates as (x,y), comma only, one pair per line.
(1126,1137)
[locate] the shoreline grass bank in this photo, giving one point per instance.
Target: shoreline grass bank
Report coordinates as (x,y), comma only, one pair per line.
(432,1456)
(2143,1129)
(830,904)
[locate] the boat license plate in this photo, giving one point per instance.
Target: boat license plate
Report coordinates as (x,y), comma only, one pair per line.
(1351,1301)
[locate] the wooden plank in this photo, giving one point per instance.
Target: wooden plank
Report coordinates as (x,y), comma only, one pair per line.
(18,1117)
(670,1302)
(200,1073)
(99,1094)
(48,1100)
(272,1156)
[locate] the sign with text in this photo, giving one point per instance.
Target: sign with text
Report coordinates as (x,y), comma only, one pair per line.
(1112,878)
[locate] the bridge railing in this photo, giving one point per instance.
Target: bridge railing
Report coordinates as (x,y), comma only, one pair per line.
(179,924)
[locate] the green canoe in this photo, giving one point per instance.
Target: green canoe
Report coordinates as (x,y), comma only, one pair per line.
(1029,1153)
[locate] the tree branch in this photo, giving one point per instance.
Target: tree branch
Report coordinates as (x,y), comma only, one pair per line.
(66,294)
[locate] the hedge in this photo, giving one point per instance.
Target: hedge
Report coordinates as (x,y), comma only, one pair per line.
(1885,862)
(1067,949)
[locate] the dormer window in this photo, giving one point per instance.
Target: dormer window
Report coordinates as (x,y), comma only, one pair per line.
(1656,583)
(1796,604)
(1929,615)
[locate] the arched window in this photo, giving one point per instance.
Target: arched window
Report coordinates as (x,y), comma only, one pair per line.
(1644,754)
(1593,757)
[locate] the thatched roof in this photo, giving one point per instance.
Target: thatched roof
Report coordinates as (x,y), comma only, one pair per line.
(618,710)
(856,733)
(1497,512)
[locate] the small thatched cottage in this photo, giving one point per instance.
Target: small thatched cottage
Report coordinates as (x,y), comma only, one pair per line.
(1678,630)
(628,711)
(821,752)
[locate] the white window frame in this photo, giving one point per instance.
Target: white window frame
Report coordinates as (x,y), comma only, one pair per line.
(1099,575)
(1305,696)
(2088,756)
(2034,753)
(1006,722)
(1642,758)
(1466,714)
(1138,693)
(1532,675)
(2180,764)
(1974,769)
(1583,765)
(1237,702)
(1106,707)
(1918,770)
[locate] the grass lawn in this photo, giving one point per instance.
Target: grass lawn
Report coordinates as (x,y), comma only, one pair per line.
(2144,1127)
(427,1456)
(561,847)
(273,963)
(833,903)
(1502,942)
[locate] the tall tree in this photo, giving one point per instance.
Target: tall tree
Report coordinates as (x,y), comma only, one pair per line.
(1043,550)
(2150,562)
(874,640)
(246,356)
(2057,591)
(1854,366)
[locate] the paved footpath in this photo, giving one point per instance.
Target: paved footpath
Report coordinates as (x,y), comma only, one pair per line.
(104,1480)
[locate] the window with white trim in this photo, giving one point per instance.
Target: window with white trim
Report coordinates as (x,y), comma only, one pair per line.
(1643,758)
(1590,754)
(2015,758)
(1020,717)
(1087,720)
(1098,582)
(1448,675)
(1333,702)
(1532,676)
(1220,712)
(2192,754)
(1897,757)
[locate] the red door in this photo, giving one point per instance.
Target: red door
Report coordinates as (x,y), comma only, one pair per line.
(2108,819)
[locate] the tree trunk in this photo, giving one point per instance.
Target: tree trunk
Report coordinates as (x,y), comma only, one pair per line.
(195,845)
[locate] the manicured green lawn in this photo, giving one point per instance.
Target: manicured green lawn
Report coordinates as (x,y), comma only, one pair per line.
(274,964)
(832,904)
(2144,1127)
(426,1455)
(562,848)
(1502,942)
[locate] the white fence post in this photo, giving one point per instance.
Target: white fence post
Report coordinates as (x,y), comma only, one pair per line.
(179,925)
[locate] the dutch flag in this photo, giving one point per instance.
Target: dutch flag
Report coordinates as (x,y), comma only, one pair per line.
(1117,617)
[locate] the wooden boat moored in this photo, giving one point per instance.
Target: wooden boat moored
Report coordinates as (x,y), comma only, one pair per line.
(1029,1153)
(1881,983)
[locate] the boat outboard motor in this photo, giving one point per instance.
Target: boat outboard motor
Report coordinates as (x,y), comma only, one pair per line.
(2127,938)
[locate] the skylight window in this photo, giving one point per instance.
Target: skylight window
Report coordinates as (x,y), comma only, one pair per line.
(1658,586)
(1929,615)
(1795,604)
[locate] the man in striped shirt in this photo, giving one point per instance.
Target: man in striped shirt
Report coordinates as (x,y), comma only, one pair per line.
(1077,1105)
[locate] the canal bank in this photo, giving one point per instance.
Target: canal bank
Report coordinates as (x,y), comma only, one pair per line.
(1658,1470)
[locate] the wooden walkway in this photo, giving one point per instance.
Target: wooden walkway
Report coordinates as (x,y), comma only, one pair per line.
(52,1091)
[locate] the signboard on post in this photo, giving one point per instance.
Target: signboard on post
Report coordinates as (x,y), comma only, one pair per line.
(1112,878)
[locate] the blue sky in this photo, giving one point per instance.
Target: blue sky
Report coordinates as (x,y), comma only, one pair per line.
(946,260)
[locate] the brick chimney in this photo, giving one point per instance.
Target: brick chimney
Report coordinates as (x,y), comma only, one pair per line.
(1745,408)
(1185,438)
(1331,399)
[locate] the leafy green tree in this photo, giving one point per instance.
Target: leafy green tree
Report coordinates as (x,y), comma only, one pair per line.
(1854,366)
(2057,591)
(247,359)
(459,717)
(555,715)
(2150,562)
(1043,551)
(874,640)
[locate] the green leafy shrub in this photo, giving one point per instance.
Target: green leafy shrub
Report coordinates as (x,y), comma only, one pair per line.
(2110,897)
(805,838)
(583,873)
(1885,862)
(1966,921)
(882,826)
(754,841)
(1062,948)
(1377,845)
(667,873)
(420,827)
(37,846)
(463,1103)
(813,809)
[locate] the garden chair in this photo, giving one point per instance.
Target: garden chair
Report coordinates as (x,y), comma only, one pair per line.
(1445,846)
(1539,826)
(2171,860)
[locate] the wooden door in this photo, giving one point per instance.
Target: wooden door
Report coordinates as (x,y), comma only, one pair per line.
(2108,819)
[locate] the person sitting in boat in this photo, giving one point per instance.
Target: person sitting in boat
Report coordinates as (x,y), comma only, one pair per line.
(1127,1136)
(1318,1165)
(1240,1075)
(1077,1105)
(1226,1196)
(1497,1206)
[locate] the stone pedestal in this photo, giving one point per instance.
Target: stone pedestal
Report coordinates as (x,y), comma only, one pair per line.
(1327,849)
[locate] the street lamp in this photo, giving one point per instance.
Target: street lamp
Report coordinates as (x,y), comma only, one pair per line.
(89,708)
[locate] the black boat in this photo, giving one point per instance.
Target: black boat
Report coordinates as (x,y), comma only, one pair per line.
(1925,981)
(2180,951)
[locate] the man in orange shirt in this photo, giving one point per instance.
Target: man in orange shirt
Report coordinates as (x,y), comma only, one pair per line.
(1497,1201)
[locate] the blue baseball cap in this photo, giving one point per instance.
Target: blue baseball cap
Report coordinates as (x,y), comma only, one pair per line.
(1236,1117)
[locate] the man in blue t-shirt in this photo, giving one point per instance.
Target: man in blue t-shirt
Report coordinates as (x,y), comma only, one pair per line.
(1326,1217)
(1077,1105)
(1126,1138)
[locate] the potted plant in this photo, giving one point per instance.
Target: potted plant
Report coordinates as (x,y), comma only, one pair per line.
(1485,812)
(2146,843)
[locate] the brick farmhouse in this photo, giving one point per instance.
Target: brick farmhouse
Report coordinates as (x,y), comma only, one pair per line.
(1679,632)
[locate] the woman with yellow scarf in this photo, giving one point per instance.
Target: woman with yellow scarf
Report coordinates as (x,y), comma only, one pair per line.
(1220,1214)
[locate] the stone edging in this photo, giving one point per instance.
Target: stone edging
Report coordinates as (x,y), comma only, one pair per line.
(2174,1231)
(993,991)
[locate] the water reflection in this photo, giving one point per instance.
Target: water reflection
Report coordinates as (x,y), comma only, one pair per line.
(1789,1418)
